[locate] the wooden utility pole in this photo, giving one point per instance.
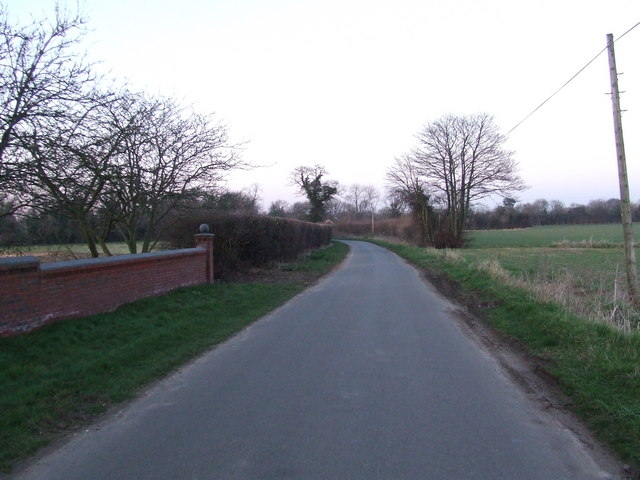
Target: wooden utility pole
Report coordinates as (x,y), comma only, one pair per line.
(373,223)
(625,203)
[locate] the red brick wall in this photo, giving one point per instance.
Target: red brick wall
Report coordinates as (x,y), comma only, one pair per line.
(32,294)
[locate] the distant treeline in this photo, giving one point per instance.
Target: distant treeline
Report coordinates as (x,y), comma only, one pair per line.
(32,227)
(52,228)
(543,212)
(508,215)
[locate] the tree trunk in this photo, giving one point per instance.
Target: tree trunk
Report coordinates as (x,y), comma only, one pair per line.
(87,233)
(104,247)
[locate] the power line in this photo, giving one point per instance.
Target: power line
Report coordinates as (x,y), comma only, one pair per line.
(567,82)
(557,91)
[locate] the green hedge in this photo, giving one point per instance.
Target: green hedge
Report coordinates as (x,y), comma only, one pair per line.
(243,241)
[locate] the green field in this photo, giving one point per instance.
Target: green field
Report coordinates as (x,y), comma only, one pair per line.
(581,267)
(60,252)
(547,236)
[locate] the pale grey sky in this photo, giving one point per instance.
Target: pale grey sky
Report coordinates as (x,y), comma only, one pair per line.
(347,83)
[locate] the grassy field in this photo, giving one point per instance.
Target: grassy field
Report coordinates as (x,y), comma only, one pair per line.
(62,375)
(547,236)
(596,365)
(60,252)
(580,267)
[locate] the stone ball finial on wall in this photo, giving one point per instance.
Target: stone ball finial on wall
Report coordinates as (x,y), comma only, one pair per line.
(204,228)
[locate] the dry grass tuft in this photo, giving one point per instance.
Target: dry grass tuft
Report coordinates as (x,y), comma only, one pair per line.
(609,304)
(591,243)
(452,255)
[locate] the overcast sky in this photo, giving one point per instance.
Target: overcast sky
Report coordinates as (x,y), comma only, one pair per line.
(348,83)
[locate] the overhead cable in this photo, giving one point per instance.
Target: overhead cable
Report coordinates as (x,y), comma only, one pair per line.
(567,82)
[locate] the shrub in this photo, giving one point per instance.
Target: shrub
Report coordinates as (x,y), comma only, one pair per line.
(445,238)
(243,241)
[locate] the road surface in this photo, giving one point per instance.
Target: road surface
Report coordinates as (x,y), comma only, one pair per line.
(366,375)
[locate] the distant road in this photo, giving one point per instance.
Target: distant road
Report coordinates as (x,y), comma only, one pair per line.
(364,376)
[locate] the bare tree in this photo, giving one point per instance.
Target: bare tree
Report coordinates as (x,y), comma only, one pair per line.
(361,200)
(41,78)
(407,186)
(370,198)
(463,159)
(122,159)
(354,198)
(66,164)
(171,154)
(337,210)
(252,193)
(318,191)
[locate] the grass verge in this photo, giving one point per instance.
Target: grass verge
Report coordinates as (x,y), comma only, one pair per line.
(63,375)
(597,366)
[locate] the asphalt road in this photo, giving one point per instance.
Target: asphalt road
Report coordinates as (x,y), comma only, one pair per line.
(364,376)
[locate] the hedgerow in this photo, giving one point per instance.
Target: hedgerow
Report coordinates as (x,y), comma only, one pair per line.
(243,241)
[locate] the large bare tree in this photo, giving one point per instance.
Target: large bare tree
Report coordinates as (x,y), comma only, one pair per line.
(170,155)
(463,159)
(42,76)
(105,160)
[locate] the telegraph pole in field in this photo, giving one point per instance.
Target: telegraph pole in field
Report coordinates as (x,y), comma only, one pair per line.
(625,203)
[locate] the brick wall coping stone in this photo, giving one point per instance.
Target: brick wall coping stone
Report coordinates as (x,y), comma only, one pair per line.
(19,263)
(29,262)
(88,263)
